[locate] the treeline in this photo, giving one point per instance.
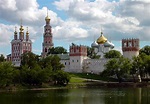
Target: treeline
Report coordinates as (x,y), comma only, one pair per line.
(33,71)
(124,68)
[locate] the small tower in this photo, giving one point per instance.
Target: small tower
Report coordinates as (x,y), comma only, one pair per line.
(77,54)
(15,34)
(47,37)
(21,33)
(27,35)
(130,47)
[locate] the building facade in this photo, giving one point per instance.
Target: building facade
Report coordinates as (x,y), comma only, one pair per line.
(19,45)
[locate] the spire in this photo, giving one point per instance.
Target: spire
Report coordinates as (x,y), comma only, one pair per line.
(15,33)
(47,18)
(27,33)
(21,27)
(101,31)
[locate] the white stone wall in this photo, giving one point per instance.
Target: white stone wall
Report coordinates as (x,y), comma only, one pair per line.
(94,65)
(76,63)
(66,64)
(84,65)
(130,54)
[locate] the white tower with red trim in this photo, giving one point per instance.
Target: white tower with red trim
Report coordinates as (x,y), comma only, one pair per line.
(130,47)
(77,55)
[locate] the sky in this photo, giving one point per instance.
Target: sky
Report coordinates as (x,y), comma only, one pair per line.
(75,21)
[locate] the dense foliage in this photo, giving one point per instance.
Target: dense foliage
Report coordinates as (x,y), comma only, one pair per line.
(112,54)
(145,50)
(34,71)
(138,67)
(57,50)
(2,58)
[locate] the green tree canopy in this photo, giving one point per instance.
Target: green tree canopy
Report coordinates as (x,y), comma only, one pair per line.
(2,58)
(91,54)
(118,67)
(145,50)
(6,74)
(112,54)
(57,50)
(30,59)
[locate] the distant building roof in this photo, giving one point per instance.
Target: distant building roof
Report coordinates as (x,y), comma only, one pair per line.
(9,55)
(63,56)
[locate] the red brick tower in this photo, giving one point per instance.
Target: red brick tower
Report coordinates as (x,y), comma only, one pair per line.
(47,37)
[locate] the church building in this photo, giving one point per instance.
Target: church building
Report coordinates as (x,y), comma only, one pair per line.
(19,45)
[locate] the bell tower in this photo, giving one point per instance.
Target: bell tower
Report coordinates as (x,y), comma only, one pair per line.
(47,37)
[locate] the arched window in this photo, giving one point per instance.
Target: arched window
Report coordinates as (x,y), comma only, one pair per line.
(45,49)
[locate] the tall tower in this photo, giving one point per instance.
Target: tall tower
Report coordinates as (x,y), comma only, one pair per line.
(19,46)
(47,37)
(130,47)
(77,56)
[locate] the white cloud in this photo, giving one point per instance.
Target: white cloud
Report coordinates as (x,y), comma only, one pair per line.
(8,5)
(5,34)
(123,19)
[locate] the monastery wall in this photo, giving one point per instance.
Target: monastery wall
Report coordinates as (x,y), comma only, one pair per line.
(94,65)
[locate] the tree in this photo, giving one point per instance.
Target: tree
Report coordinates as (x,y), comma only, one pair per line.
(57,50)
(2,58)
(146,50)
(112,54)
(91,53)
(52,62)
(60,77)
(29,59)
(6,74)
(118,67)
(55,62)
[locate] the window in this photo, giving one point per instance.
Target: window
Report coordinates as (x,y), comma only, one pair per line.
(125,44)
(45,49)
(130,44)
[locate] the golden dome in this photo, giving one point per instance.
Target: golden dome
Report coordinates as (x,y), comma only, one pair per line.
(101,39)
(21,28)
(47,18)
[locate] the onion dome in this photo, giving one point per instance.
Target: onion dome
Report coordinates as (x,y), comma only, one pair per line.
(101,39)
(94,44)
(112,45)
(47,18)
(108,44)
(21,28)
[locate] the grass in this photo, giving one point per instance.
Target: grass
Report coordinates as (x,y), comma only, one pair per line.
(77,77)
(76,80)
